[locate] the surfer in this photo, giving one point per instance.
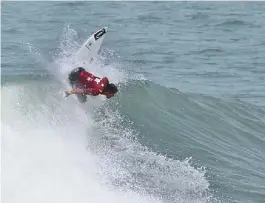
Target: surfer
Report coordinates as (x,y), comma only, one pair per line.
(85,83)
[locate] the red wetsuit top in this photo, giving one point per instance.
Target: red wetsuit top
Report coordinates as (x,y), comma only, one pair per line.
(93,84)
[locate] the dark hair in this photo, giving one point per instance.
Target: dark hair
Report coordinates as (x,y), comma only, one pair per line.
(111,88)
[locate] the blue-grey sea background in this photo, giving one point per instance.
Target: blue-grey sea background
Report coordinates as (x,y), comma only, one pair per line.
(188,123)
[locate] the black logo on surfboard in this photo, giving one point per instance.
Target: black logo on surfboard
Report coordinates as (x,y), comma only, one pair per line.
(99,34)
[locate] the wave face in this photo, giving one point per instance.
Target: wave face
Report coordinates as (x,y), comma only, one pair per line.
(73,152)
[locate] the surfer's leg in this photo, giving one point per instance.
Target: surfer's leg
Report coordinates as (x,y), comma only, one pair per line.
(82,98)
(73,80)
(73,76)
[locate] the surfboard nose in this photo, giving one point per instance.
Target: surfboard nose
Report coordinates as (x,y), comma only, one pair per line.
(90,48)
(100,33)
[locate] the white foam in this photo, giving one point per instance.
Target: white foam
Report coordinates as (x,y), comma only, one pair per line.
(44,152)
(45,140)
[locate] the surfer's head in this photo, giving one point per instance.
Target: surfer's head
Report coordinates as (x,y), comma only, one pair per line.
(110,90)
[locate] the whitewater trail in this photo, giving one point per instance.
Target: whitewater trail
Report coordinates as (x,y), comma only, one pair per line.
(44,143)
(44,151)
(55,149)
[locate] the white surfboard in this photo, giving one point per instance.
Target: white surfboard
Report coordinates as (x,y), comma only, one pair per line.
(90,48)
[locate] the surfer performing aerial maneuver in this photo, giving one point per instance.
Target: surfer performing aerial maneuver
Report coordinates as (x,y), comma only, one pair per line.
(85,83)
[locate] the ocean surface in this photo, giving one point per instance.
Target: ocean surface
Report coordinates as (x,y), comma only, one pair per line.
(187,125)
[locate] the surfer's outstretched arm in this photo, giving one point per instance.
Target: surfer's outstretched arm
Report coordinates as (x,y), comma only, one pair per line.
(74,91)
(89,91)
